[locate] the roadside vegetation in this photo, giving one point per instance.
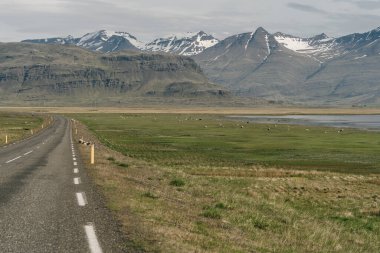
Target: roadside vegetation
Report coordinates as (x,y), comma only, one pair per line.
(203,183)
(18,126)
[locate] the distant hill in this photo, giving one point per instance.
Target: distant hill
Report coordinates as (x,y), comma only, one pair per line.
(69,74)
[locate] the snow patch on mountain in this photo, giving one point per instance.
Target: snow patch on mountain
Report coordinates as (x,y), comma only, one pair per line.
(250,38)
(320,47)
(96,39)
(294,43)
(183,44)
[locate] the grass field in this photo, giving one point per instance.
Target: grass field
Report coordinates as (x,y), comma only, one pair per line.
(18,126)
(202,183)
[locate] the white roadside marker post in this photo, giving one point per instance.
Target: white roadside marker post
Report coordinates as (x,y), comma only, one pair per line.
(6,139)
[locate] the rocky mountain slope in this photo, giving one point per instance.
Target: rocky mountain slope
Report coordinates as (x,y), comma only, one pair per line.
(284,67)
(31,72)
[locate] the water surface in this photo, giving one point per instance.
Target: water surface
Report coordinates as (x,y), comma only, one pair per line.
(352,121)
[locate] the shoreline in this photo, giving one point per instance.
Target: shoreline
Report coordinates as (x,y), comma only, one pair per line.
(200,110)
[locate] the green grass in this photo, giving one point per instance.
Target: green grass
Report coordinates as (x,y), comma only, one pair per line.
(224,188)
(177,182)
(186,141)
(212,213)
(18,126)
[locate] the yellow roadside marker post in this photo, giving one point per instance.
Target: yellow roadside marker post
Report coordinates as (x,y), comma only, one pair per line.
(92,154)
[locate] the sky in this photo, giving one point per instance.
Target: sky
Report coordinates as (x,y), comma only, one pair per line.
(150,19)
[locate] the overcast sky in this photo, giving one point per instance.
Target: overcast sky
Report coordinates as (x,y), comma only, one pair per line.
(148,19)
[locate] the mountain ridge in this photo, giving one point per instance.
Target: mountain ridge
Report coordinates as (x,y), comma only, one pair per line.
(282,67)
(111,41)
(285,67)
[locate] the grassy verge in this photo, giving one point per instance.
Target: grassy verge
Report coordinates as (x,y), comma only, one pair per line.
(18,126)
(205,184)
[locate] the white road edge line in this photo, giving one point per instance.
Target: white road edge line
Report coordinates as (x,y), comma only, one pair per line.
(81,197)
(27,153)
(13,159)
(76,180)
(93,242)
(76,171)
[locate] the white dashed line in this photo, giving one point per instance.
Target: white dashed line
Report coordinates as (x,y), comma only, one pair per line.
(27,153)
(13,159)
(75,163)
(93,242)
(77,180)
(76,171)
(81,197)
(74,159)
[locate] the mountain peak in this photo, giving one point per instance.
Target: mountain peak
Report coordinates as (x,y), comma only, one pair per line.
(261,30)
(109,41)
(321,36)
(377,29)
(188,44)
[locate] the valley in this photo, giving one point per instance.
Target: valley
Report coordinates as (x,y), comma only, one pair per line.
(190,126)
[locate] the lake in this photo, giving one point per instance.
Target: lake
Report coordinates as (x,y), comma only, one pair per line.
(352,121)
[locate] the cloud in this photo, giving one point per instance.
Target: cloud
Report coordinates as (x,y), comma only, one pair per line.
(305,8)
(362,4)
(369,5)
(147,19)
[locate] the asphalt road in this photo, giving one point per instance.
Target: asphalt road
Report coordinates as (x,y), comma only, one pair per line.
(47,202)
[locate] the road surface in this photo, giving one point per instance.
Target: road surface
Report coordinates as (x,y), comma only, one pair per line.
(47,202)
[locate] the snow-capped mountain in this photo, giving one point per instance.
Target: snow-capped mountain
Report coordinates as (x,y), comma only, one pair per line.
(185,44)
(109,41)
(254,46)
(286,67)
(103,41)
(325,48)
